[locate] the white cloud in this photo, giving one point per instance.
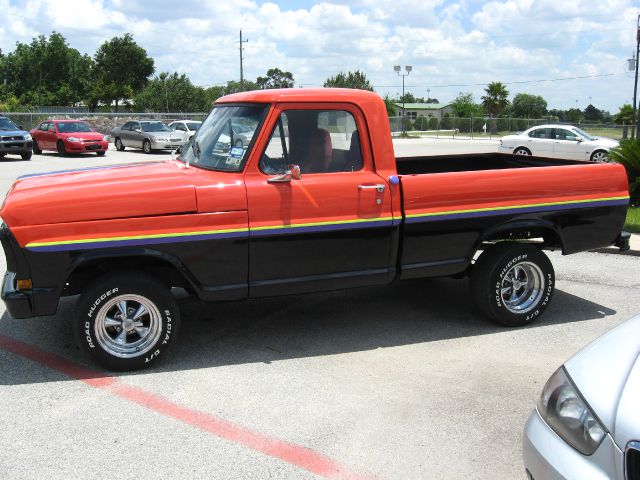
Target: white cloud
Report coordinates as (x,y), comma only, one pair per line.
(456,42)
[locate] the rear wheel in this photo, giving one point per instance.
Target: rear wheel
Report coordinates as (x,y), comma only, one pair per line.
(119,145)
(146,146)
(522,151)
(512,283)
(36,148)
(60,147)
(127,320)
(600,156)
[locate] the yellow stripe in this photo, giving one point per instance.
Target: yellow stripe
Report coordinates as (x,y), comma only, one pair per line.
(135,237)
(510,207)
(320,224)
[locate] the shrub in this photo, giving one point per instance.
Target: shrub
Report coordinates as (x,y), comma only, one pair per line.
(628,155)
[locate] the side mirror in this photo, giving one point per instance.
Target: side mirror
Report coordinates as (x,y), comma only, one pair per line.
(136,130)
(293,173)
(578,139)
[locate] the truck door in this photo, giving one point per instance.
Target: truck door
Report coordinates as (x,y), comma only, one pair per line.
(333,227)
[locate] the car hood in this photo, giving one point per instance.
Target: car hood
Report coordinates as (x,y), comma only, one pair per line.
(83,135)
(607,373)
(12,133)
(132,190)
(604,142)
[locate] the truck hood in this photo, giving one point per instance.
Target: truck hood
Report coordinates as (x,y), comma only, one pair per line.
(13,133)
(132,190)
(607,373)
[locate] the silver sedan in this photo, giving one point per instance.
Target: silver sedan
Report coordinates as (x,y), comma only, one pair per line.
(586,424)
(149,135)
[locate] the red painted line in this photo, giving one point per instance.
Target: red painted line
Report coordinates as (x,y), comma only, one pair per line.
(297,455)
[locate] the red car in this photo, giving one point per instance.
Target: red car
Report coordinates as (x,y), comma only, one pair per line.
(68,136)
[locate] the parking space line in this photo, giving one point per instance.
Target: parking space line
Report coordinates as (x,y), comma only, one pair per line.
(291,453)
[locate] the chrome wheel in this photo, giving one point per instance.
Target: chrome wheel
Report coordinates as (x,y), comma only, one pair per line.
(521,151)
(146,146)
(119,145)
(128,326)
(600,157)
(522,287)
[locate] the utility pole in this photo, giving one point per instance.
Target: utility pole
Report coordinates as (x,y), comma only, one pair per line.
(241,72)
(635,85)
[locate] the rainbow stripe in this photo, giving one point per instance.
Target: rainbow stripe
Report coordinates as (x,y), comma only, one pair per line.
(516,209)
(313,227)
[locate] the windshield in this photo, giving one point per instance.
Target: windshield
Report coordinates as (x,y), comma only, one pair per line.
(216,145)
(6,124)
(193,126)
(155,127)
(584,134)
(69,127)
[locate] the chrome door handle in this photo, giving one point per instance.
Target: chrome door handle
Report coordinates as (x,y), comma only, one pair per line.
(379,187)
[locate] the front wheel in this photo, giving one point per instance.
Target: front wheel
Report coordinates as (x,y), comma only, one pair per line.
(100,154)
(600,156)
(26,156)
(62,151)
(522,151)
(119,145)
(127,320)
(146,146)
(512,283)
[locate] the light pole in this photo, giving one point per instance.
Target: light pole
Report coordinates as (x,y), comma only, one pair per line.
(428,95)
(635,84)
(408,69)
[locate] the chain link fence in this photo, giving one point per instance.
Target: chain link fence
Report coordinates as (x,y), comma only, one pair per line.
(100,122)
(491,128)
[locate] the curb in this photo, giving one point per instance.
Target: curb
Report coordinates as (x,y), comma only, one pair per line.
(634,251)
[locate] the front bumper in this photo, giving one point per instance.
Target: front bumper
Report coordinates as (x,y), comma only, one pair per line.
(548,457)
(16,147)
(19,304)
(170,145)
(86,147)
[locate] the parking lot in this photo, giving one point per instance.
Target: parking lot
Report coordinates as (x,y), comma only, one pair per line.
(400,382)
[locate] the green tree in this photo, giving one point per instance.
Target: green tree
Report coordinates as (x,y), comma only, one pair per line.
(350,79)
(625,118)
(172,93)
(390,105)
(495,99)
(464,106)
(275,78)
(525,105)
(628,155)
(573,115)
(593,114)
(122,68)
(46,71)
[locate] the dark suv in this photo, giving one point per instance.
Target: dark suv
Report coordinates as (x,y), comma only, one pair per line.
(14,140)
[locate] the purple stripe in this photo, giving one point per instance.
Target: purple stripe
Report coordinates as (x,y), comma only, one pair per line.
(136,242)
(87,169)
(322,228)
(492,213)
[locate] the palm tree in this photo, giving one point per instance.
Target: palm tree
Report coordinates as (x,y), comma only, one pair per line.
(495,100)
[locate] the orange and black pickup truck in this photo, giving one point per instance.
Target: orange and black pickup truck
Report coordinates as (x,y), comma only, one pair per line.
(292,191)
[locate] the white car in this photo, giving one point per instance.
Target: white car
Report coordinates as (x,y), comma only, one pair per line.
(186,128)
(587,423)
(558,141)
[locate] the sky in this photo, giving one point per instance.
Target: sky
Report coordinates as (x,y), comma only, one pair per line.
(533,46)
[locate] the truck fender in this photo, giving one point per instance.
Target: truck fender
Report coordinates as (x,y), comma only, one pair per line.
(521,230)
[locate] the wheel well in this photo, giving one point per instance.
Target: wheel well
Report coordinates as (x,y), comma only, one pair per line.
(162,270)
(542,236)
(520,147)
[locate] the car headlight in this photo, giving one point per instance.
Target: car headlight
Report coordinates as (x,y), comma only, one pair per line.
(106,138)
(73,139)
(565,411)
(27,137)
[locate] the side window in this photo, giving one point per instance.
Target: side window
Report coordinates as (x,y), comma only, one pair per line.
(127,126)
(542,133)
(52,127)
(44,126)
(319,141)
(562,134)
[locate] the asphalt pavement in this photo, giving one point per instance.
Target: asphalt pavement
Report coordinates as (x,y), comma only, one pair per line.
(406,381)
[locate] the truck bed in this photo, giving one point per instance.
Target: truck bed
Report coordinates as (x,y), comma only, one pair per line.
(473,162)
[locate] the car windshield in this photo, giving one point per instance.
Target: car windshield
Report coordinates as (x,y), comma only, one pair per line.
(584,134)
(155,127)
(215,145)
(193,126)
(70,127)
(6,124)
